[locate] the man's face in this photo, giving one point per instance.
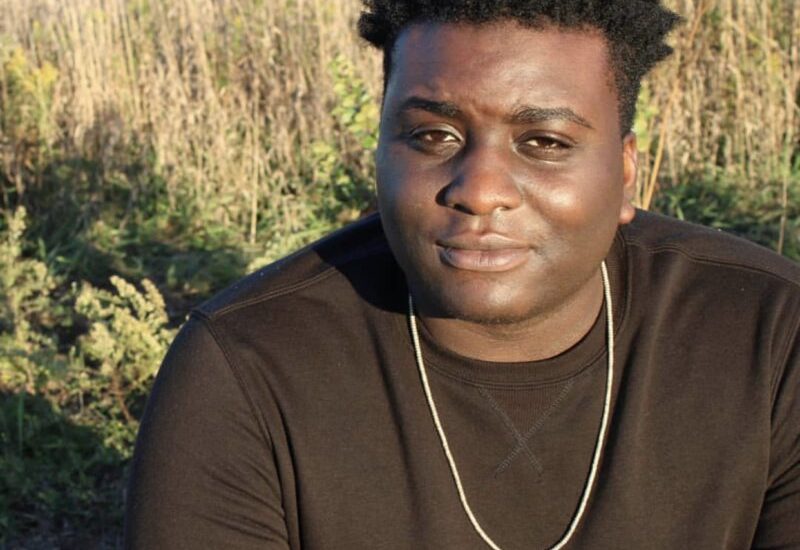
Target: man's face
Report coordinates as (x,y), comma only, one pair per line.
(502,174)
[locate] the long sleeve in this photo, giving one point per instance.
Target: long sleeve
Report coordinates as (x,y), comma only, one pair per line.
(779,524)
(203,474)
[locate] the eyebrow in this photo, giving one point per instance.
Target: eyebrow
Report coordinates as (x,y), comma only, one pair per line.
(443,108)
(522,115)
(529,115)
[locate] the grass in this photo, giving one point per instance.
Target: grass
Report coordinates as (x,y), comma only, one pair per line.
(185,142)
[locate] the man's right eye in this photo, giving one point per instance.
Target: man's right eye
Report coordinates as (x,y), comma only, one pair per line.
(432,139)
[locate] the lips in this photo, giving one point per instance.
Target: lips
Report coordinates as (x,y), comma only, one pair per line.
(488,252)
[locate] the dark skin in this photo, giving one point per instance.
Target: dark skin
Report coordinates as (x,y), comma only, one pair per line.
(502,178)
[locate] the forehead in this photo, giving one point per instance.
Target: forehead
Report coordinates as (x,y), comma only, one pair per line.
(503,65)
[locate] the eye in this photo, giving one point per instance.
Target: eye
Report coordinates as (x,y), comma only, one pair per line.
(435,136)
(545,147)
(544,142)
(433,140)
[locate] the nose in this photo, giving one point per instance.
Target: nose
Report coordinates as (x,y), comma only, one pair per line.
(483,182)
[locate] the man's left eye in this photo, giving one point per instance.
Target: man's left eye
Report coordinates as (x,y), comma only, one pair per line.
(544,142)
(544,148)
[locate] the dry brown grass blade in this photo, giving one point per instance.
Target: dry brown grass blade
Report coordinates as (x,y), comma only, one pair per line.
(682,61)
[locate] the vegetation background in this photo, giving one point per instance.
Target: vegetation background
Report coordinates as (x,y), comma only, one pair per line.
(152,151)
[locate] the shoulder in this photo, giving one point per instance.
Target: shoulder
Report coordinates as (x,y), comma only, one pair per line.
(325,262)
(696,280)
(713,251)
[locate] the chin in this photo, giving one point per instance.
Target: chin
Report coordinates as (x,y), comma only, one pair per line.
(490,316)
(475,307)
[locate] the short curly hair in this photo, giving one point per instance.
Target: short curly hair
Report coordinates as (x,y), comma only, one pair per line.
(635,30)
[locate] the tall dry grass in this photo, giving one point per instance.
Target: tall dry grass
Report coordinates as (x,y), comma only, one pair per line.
(728,99)
(229,95)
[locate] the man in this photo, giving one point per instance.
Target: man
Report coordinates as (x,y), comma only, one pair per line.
(509,356)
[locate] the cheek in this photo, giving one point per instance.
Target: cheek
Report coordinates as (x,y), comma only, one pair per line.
(596,189)
(398,206)
(403,191)
(578,205)
(389,178)
(582,208)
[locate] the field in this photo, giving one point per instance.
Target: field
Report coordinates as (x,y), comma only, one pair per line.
(153,151)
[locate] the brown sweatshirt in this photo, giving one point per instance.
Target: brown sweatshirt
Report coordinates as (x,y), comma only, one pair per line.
(289,412)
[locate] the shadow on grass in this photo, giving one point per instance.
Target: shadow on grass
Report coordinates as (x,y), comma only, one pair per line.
(749,211)
(91,221)
(60,486)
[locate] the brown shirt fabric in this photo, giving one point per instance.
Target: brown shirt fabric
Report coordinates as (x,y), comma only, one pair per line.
(289,412)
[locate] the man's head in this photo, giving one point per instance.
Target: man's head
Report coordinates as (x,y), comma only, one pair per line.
(502,174)
(634,30)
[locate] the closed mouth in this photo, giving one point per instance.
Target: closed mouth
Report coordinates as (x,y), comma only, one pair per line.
(487,258)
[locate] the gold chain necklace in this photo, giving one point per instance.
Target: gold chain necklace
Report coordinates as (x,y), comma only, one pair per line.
(599,444)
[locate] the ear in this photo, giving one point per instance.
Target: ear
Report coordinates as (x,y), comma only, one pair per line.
(630,164)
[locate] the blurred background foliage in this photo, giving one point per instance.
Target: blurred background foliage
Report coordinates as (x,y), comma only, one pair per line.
(153,151)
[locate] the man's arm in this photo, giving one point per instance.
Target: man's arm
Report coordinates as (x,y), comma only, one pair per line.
(203,474)
(779,525)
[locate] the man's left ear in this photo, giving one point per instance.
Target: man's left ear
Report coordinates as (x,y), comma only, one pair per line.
(630,165)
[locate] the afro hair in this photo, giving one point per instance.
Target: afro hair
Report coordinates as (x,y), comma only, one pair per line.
(635,30)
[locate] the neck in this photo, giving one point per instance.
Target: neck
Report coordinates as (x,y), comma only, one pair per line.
(538,337)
